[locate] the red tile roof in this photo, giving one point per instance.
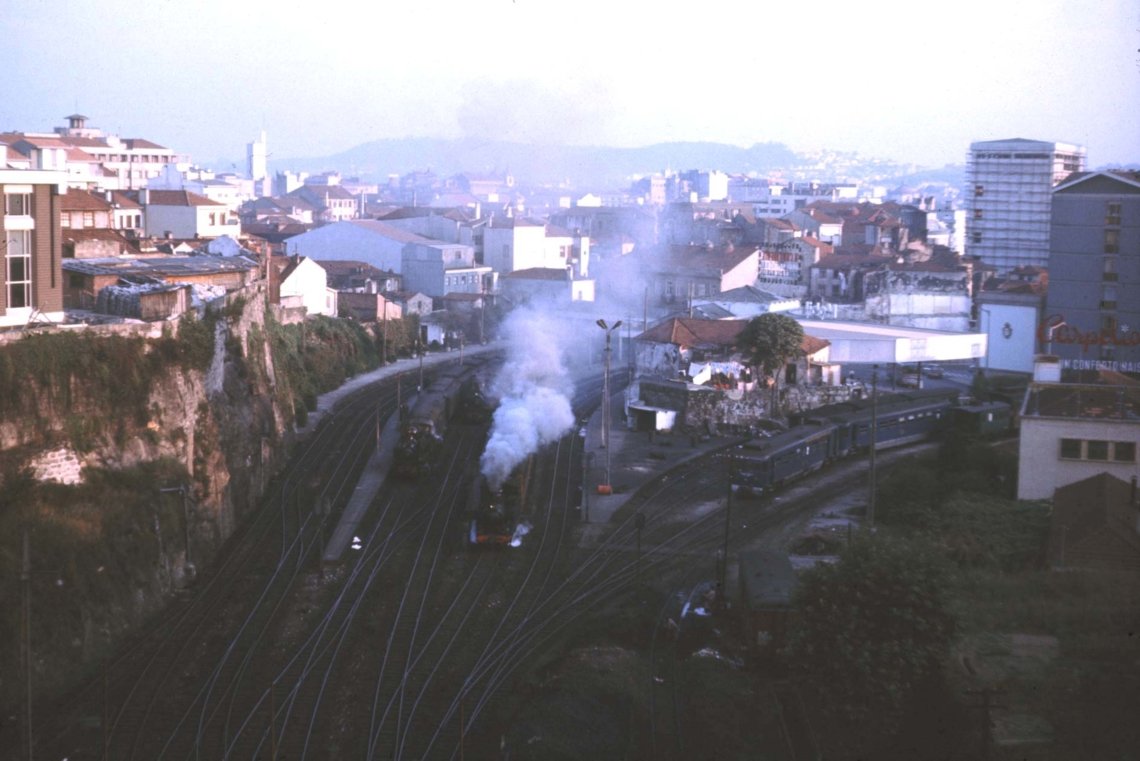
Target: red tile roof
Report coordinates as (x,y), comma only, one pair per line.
(682,331)
(179,198)
(692,258)
(687,332)
(81,200)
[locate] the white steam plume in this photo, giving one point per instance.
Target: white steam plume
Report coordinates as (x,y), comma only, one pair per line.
(534,389)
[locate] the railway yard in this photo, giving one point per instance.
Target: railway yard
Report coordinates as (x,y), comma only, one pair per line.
(416,644)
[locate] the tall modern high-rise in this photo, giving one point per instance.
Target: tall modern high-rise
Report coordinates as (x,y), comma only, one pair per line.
(1093,305)
(257,165)
(1009,193)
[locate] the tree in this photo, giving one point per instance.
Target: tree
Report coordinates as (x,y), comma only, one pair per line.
(872,632)
(769,341)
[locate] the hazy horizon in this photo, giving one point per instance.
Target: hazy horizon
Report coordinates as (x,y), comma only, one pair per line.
(890,80)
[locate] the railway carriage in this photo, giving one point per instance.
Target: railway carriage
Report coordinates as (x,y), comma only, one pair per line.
(984,419)
(842,430)
(773,460)
(452,393)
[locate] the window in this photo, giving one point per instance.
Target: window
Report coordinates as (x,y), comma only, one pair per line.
(88,219)
(18,204)
(1112,241)
(977,213)
(18,268)
(976,238)
(1097,450)
(979,190)
(1108,297)
(1108,324)
(1109,269)
(1112,217)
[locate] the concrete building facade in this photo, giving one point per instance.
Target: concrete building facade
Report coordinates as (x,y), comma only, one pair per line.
(31,283)
(1009,193)
(1070,432)
(1093,304)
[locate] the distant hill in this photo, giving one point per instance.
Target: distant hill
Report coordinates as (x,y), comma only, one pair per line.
(579,165)
(606,168)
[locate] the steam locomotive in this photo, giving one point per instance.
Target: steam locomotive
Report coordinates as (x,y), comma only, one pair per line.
(454,393)
(836,431)
(498,515)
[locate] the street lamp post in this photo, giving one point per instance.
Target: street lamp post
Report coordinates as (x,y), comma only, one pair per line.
(1049,338)
(606,397)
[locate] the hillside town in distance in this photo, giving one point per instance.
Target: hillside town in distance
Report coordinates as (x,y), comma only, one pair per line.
(1030,271)
(1018,287)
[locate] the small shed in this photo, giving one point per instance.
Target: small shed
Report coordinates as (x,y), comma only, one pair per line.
(1096,524)
(767,582)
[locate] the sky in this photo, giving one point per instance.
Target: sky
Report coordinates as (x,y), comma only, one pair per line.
(894,79)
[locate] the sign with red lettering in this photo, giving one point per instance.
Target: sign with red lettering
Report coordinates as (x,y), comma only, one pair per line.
(1054,329)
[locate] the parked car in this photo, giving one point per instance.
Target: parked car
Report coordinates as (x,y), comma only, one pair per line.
(910,380)
(932,371)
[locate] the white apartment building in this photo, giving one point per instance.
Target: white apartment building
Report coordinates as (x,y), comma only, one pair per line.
(1009,195)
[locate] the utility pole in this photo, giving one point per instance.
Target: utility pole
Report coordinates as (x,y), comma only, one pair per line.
(639,523)
(727,528)
(26,646)
(420,351)
(874,442)
(384,337)
(587,462)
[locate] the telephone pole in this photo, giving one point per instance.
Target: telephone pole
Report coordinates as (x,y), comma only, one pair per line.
(874,443)
(26,646)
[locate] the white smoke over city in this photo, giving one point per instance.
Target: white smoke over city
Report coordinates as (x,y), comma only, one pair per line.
(534,389)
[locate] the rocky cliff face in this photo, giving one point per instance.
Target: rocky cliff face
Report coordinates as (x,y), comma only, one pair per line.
(222,419)
(197,415)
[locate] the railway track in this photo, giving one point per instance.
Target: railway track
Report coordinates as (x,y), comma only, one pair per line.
(406,650)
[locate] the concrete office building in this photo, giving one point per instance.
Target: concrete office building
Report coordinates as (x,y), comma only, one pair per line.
(1009,190)
(1092,314)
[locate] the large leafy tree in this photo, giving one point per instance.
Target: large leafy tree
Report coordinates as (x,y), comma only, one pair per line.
(770,341)
(872,631)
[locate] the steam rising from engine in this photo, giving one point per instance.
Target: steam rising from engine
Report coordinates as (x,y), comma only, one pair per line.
(534,389)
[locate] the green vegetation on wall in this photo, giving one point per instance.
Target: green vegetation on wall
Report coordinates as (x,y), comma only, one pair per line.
(319,354)
(95,555)
(95,382)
